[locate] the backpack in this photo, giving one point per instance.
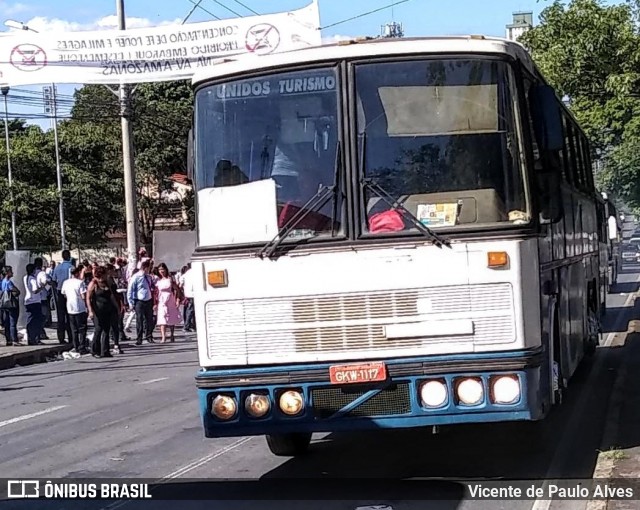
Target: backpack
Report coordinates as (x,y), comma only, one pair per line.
(8,300)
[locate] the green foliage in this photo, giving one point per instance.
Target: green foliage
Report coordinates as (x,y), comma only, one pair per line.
(163,113)
(590,51)
(90,144)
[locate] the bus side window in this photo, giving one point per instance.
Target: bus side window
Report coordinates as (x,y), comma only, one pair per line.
(554,161)
(537,157)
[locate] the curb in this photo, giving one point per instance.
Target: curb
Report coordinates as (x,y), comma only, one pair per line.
(605,466)
(32,357)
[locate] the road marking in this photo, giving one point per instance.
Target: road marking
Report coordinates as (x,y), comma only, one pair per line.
(155,380)
(374,507)
(207,458)
(576,417)
(185,469)
(29,416)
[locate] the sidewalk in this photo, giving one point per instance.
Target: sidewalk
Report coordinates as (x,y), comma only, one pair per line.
(624,446)
(30,354)
(619,457)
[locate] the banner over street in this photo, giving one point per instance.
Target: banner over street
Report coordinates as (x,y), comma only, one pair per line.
(172,52)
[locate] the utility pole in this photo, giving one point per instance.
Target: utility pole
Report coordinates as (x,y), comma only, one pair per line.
(127,155)
(5,91)
(51,106)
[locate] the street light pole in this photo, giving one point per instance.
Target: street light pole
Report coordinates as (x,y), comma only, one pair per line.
(5,91)
(127,155)
(63,236)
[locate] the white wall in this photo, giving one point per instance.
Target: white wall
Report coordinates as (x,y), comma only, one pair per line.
(173,247)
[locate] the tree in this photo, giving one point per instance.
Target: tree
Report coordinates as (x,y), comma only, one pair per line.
(34,188)
(590,52)
(161,117)
(163,113)
(91,154)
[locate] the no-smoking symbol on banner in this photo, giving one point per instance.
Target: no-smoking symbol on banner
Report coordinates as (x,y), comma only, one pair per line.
(262,39)
(28,57)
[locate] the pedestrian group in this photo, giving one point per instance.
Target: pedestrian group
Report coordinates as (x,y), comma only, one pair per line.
(109,295)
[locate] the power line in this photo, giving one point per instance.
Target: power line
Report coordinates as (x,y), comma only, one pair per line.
(197,4)
(246,7)
(363,14)
(228,8)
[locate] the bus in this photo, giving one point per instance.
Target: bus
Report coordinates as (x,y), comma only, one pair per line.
(391,233)
(612,236)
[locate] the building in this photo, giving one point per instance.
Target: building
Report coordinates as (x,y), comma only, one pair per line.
(522,21)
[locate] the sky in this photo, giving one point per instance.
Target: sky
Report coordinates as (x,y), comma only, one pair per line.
(419,18)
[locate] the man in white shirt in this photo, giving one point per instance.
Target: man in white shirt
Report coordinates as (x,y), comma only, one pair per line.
(74,292)
(43,281)
(61,274)
(33,305)
(190,312)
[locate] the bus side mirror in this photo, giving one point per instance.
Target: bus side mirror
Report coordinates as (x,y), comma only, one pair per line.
(547,118)
(550,197)
(612,225)
(190,156)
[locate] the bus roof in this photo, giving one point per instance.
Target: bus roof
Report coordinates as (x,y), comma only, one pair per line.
(367,47)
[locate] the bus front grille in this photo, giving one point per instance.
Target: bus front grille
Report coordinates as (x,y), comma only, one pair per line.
(393,400)
(335,326)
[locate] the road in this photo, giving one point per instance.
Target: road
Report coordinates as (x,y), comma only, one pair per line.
(136,416)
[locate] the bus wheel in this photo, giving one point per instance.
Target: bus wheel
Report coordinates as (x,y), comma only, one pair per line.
(558,381)
(289,445)
(593,333)
(594,326)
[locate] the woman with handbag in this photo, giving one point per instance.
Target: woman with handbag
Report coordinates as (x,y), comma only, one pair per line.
(9,306)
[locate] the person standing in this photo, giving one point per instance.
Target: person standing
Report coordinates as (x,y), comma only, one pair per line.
(74,293)
(140,296)
(189,313)
(43,281)
(33,305)
(117,324)
(10,310)
(102,306)
(168,300)
(61,274)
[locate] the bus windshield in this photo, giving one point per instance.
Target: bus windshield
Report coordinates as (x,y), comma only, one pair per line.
(282,127)
(440,136)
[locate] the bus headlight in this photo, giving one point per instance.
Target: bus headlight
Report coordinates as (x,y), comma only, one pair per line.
(224,407)
(505,389)
(433,393)
(291,402)
(470,391)
(257,405)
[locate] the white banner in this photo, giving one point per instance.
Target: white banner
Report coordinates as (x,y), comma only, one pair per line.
(140,55)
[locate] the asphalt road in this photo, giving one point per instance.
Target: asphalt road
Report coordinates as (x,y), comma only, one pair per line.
(136,416)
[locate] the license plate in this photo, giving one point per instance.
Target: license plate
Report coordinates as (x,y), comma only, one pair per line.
(361,373)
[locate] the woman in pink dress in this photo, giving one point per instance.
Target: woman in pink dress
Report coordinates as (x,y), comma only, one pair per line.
(168,313)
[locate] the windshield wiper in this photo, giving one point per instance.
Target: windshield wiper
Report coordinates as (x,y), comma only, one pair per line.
(315,203)
(371,184)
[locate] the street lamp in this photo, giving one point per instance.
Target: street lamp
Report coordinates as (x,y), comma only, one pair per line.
(21,26)
(5,92)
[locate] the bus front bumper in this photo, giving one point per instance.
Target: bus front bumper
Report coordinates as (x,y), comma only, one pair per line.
(393,403)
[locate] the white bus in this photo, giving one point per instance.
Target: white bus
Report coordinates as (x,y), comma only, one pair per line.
(391,233)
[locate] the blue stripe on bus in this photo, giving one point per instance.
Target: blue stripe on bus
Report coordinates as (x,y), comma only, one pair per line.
(432,359)
(532,405)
